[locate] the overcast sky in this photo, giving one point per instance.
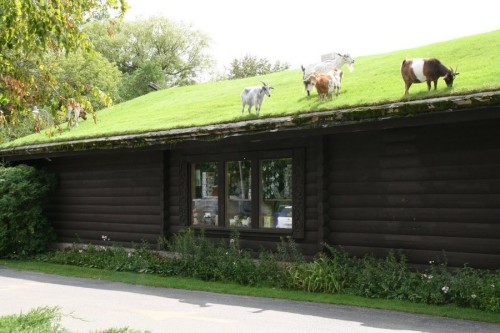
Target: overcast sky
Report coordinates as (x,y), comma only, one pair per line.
(299,32)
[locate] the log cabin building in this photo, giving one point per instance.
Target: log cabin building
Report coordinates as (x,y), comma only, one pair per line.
(420,177)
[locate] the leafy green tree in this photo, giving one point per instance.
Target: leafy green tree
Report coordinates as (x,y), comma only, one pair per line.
(177,50)
(91,74)
(137,83)
(252,66)
(31,29)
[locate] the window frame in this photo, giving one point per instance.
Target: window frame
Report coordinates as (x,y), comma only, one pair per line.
(298,201)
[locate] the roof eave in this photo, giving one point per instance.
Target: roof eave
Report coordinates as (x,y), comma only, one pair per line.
(309,120)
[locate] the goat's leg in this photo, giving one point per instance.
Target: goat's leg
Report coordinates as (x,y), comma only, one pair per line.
(407,87)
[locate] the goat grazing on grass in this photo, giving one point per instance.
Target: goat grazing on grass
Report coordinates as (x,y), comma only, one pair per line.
(325,66)
(254,96)
(326,83)
(426,70)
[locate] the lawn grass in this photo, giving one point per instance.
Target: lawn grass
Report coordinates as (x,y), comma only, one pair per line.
(375,80)
(236,289)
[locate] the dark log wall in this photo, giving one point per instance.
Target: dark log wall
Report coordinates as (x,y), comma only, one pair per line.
(251,239)
(116,195)
(433,192)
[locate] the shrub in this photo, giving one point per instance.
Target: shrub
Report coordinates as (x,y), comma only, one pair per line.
(200,258)
(388,278)
(474,288)
(37,320)
(270,272)
(331,272)
(115,258)
(23,227)
(320,275)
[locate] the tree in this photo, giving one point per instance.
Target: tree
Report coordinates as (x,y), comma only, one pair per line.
(29,31)
(137,83)
(252,66)
(177,50)
(91,74)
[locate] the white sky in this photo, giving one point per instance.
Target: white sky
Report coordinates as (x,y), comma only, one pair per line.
(299,32)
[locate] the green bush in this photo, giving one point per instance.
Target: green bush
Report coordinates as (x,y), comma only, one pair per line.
(114,258)
(200,258)
(388,278)
(334,271)
(24,229)
(37,320)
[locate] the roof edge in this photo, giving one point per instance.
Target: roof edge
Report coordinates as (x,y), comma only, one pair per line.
(309,120)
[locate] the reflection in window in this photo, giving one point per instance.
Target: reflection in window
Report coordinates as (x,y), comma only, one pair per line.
(239,193)
(245,192)
(204,194)
(276,193)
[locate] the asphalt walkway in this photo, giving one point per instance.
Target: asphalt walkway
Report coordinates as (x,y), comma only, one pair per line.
(90,305)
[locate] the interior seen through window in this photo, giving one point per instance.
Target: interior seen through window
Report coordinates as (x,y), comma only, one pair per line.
(255,193)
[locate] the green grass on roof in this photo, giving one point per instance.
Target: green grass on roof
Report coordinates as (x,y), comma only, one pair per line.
(376,79)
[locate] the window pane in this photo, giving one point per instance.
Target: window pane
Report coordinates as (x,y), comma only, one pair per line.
(276,193)
(204,194)
(238,193)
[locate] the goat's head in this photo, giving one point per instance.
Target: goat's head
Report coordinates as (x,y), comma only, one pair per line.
(347,59)
(266,88)
(450,76)
(83,114)
(309,84)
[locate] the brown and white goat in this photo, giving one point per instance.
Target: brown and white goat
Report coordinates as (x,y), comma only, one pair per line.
(326,83)
(426,70)
(336,60)
(75,111)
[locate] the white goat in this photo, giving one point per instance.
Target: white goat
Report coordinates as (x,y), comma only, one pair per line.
(254,96)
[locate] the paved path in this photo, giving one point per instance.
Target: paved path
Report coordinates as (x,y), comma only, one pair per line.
(92,305)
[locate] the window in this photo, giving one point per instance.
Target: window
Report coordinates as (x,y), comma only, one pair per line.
(248,191)
(204,193)
(238,194)
(276,193)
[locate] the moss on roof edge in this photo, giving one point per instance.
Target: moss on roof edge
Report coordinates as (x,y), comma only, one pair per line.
(310,120)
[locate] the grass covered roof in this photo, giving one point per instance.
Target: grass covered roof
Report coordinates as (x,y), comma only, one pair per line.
(373,90)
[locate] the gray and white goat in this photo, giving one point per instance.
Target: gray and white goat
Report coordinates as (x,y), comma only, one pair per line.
(254,96)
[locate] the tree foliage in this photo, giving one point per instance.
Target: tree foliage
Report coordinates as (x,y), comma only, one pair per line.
(139,47)
(252,66)
(91,74)
(23,227)
(136,83)
(29,31)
